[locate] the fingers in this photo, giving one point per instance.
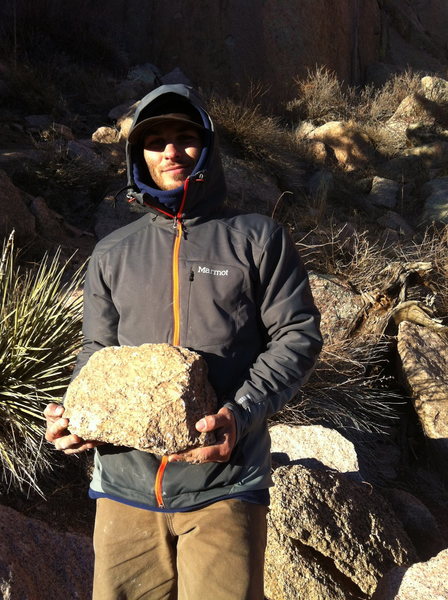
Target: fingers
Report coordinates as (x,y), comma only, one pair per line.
(223,424)
(53,411)
(56,428)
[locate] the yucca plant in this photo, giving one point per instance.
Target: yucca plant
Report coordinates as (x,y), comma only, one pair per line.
(40,331)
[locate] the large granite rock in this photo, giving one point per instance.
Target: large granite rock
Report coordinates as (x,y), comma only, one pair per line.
(352,148)
(314,446)
(329,537)
(422,581)
(38,562)
(147,397)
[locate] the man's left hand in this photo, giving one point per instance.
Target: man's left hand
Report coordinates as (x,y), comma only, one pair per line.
(224,426)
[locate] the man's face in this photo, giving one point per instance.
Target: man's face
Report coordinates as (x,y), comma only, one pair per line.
(171,150)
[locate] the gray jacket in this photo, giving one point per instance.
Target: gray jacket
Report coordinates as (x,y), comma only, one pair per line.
(226,284)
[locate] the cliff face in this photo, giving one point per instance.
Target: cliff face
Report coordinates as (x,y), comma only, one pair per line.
(225,43)
(228,44)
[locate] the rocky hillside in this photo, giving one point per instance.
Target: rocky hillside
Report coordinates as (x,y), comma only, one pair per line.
(360,177)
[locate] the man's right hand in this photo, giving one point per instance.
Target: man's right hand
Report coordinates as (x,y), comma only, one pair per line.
(57,432)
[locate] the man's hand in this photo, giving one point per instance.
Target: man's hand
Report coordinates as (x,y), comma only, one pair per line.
(224,426)
(57,432)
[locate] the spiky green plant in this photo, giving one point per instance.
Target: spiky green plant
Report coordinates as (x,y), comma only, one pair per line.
(40,331)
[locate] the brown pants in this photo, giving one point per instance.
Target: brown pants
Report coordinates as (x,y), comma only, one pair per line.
(214,553)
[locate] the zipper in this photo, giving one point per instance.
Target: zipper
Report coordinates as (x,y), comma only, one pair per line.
(178,229)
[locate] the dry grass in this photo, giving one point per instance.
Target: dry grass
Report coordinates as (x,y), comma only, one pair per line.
(320,97)
(244,125)
(348,389)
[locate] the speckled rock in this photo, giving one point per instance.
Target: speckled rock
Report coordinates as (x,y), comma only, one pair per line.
(342,535)
(338,304)
(313,446)
(147,397)
(38,562)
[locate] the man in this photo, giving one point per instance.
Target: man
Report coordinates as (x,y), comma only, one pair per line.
(230,286)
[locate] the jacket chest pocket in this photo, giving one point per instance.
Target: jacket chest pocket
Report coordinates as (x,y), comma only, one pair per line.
(215,296)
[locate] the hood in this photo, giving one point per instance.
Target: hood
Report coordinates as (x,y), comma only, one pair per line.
(206,185)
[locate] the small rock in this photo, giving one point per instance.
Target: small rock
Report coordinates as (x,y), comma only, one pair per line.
(105,135)
(339,306)
(175,76)
(147,397)
(384,192)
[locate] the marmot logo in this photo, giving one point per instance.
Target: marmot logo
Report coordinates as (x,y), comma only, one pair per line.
(216,272)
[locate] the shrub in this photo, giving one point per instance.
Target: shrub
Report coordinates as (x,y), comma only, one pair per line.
(244,124)
(40,331)
(320,97)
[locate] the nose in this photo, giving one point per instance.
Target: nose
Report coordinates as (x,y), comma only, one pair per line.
(171,150)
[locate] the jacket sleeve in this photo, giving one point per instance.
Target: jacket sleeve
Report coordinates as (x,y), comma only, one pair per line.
(100,317)
(290,321)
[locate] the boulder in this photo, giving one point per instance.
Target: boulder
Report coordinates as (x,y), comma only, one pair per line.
(83,151)
(147,397)
(37,561)
(436,89)
(384,192)
(352,148)
(14,213)
(106,135)
(424,360)
(313,446)
(394,221)
(422,581)
(418,522)
(113,213)
(338,304)
(250,185)
(344,533)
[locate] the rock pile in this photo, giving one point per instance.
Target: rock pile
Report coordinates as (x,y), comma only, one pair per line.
(147,397)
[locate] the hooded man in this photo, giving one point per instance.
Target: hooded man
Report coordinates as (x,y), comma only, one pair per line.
(231,286)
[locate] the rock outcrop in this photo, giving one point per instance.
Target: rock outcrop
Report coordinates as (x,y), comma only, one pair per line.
(329,537)
(147,397)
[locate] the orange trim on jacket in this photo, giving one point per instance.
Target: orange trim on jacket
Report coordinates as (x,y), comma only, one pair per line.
(176,322)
